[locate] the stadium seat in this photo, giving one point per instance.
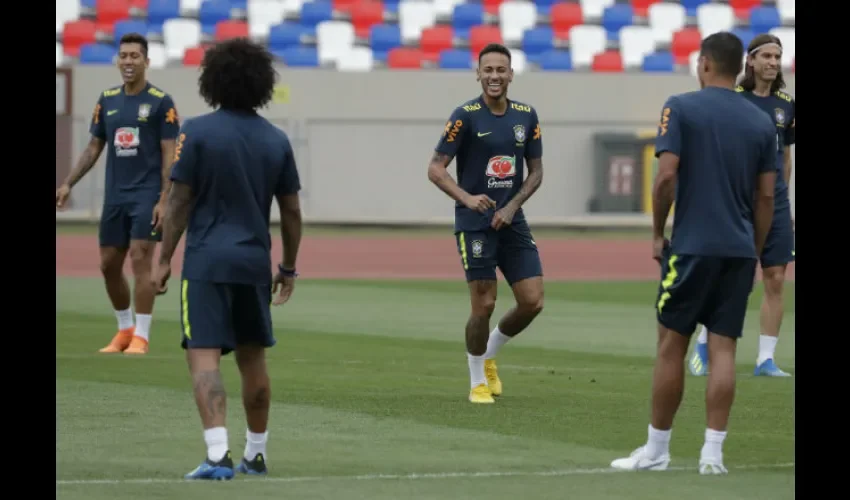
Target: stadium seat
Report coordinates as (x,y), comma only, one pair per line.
(160,11)
(333,38)
(789,44)
(190,7)
(129,26)
(536,41)
(343,5)
(231,28)
(636,43)
(262,15)
(67,10)
(285,35)
(366,14)
(684,42)
(211,12)
(97,53)
(291,6)
(714,17)
(355,59)
(786,10)
(691,5)
(745,34)
(666,19)
(157,55)
(515,18)
(404,58)
(382,38)
(742,7)
(391,6)
(77,33)
(593,9)
(192,56)
(413,17)
(467,15)
(563,17)
(301,57)
(764,19)
(435,40)
(60,55)
(107,12)
(641,7)
(519,61)
(544,7)
(315,12)
(239,4)
(443,8)
(616,17)
(492,6)
(556,60)
(456,59)
(607,62)
(480,36)
(693,61)
(179,35)
(87,4)
(586,41)
(659,62)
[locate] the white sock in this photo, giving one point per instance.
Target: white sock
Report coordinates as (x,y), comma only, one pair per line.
(255,444)
(125,319)
(216,439)
(767,347)
(703,336)
(476,370)
(713,447)
(658,442)
(495,342)
(143,326)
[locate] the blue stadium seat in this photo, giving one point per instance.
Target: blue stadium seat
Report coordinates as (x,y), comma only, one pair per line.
(97,53)
(615,17)
(537,41)
(544,7)
(556,60)
(129,26)
(659,62)
(211,12)
(746,35)
(455,59)
(383,38)
(88,4)
(239,4)
(160,11)
(691,6)
(763,19)
(304,57)
(465,16)
(312,13)
(391,6)
(285,35)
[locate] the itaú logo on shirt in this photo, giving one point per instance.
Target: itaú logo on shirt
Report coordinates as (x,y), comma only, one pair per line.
(500,169)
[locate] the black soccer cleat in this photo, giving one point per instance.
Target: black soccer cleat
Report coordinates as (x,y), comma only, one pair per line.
(255,467)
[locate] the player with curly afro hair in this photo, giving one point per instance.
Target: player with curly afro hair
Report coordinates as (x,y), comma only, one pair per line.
(238,75)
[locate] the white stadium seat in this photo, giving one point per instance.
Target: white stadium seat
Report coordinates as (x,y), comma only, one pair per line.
(514,18)
(519,61)
(593,9)
(413,17)
(355,59)
(179,35)
(786,10)
(715,17)
(789,44)
(262,15)
(291,6)
(635,43)
(665,19)
(67,10)
(333,38)
(190,6)
(693,60)
(585,42)
(158,55)
(443,8)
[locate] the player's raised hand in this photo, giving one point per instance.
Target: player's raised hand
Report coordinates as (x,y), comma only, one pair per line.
(282,286)
(479,202)
(62,195)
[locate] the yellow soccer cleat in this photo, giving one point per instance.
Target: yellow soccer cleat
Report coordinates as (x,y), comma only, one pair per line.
(481,394)
(492,375)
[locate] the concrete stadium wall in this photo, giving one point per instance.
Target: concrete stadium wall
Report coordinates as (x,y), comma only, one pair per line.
(363,141)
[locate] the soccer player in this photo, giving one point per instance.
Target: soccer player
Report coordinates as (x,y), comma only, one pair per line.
(495,139)
(228,167)
(717,157)
(761,84)
(138,124)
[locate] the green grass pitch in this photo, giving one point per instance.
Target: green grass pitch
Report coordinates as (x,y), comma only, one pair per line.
(369,402)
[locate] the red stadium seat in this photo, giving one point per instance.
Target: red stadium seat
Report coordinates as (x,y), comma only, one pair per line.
(641,7)
(109,11)
(366,14)
(480,36)
(563,17)
(742,7)
(436,39)
(225,30)
(194,56)
(404,58)
(607,62)
(75,34)
(344,5)
(684,42)
(139,4)
(491,6)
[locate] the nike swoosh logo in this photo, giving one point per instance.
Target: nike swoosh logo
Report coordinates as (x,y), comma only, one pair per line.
(485,133)
(111,112)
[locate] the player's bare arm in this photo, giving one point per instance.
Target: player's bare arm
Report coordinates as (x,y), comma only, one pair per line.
(290,235)
(439,175)
(532,182)
(85,163)
(663,195)
(174,225)
(764,208)
(168,147)
(787,165)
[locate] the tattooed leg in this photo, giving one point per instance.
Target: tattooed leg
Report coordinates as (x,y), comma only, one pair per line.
(211,399)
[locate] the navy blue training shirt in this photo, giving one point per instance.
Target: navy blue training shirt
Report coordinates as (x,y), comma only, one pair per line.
(782,110)
(132,127)
(723,143)
(235,164)
(490,153)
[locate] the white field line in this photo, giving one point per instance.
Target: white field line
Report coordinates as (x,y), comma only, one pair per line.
(410,476)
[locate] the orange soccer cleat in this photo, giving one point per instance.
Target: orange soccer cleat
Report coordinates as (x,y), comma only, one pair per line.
(120,341)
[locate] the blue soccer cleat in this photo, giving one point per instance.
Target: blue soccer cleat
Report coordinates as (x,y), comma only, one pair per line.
(698,364)
(255,467)
(769,369)
(214,471)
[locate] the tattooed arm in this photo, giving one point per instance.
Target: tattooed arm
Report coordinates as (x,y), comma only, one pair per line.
(531,183)
(176,219)
(86,161)
(438,174)
(168,146)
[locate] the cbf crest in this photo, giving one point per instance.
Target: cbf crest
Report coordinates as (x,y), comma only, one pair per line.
(779,115)
(519,133)
(144,111)
(477,248)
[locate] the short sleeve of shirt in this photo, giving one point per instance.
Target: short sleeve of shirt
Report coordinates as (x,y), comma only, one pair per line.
(669,136)
(770,147)
(289,181)
(790,131)
(169,121)
(534,150)
(185,167)
(97,128)
(454,133)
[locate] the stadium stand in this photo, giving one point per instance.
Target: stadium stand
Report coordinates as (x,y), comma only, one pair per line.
(608,36)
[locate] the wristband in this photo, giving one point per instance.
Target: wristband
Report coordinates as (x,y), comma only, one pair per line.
(287,273)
